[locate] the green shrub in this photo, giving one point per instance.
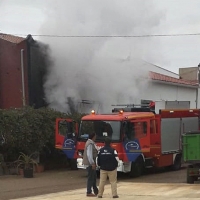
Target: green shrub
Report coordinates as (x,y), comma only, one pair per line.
(28,130)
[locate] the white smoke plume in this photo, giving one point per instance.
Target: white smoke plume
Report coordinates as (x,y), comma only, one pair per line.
(104,70)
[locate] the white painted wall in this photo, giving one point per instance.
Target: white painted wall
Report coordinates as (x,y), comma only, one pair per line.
(143,87)
(160,91)
(198,99)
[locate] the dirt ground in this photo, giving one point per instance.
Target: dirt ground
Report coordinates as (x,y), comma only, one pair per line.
(15,186)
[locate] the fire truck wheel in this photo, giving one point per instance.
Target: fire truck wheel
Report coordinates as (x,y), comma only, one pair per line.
(177,163)
(191,179)
(137,168)
(73,164)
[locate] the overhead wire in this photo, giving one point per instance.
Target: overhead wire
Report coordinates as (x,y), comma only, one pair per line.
(112,36)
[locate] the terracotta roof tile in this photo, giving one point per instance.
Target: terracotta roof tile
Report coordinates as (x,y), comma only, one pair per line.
(11,38)
(164,78)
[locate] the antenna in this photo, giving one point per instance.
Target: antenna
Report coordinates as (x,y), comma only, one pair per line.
(87,102)
(132,105)
(128,105)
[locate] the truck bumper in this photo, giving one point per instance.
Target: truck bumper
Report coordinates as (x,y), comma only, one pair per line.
(80,163)
(122,167)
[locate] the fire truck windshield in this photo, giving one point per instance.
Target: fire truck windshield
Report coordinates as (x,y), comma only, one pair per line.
(101,128)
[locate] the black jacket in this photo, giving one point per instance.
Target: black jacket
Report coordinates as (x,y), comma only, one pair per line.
(107,159)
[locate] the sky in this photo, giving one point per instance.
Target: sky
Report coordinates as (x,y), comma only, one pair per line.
(180,16)
(90,66)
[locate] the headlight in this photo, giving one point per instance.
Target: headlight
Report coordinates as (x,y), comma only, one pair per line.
(80,154)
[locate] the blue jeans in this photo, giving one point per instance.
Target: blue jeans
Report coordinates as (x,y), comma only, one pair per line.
(91,180)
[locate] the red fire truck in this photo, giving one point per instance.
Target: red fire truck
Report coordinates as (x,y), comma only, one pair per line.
(144,137)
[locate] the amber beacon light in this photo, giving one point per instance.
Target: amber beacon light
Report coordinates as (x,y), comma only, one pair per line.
(93,112)
(121,112)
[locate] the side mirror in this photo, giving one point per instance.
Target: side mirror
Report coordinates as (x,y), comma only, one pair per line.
(72,130)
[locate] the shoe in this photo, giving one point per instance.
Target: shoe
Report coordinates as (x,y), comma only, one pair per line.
(96,192)
(90,195)
(116,196)
(99,196)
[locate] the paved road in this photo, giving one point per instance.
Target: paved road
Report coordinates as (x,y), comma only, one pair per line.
(44,183)
(130,191)
(171,183)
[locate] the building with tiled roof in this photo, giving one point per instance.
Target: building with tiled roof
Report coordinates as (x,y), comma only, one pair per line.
(17,52)
(11,38)
(171,80)
(162,84)
(22,70)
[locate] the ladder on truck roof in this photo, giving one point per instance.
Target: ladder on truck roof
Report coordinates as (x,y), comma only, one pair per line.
(134,108)
(154,107)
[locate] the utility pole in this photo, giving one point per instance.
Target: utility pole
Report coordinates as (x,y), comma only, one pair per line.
(22,74)
(197,93)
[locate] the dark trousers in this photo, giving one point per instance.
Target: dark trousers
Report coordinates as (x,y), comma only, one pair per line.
(91,180)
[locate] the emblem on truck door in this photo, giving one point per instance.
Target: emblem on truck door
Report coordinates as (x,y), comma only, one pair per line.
(132,150)
(132,145)
(68,143)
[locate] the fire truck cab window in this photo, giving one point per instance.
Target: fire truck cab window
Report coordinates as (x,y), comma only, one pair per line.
(65,128)
(140,129)
(134,130)
(107,130)
(129,131)
(101,128)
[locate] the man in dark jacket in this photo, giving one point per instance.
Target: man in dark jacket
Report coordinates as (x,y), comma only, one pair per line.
(108,162)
